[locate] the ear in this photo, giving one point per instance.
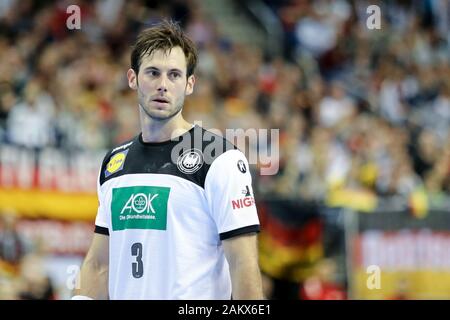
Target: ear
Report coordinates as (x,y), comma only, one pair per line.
(190,85)
(132,79)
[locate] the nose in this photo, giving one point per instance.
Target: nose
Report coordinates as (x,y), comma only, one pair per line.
(162,86)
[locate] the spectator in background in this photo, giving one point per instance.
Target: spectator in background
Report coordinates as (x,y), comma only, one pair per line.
(35,283)
(336,108)
(22,272)
(322,285)
(12,246)
(7,100)
(30,123)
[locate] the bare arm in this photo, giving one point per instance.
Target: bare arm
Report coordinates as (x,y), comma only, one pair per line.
(93,277)
(242,256)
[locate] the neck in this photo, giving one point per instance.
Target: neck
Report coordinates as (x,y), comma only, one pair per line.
(162,130)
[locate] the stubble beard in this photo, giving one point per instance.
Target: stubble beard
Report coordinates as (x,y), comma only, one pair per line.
(144,105)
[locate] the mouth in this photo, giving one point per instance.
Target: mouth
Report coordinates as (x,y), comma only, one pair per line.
(161,100)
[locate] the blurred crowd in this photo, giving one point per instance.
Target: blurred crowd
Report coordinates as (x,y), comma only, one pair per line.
(357,108)
(23,274)
(371,108)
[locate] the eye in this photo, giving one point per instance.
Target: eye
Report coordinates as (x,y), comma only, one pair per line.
(153,73)
(175,75)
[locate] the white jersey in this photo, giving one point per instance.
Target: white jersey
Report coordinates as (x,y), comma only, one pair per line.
(166,208)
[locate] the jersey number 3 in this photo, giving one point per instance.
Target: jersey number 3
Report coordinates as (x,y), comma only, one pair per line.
(137,267)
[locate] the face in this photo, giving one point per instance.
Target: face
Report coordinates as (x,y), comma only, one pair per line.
(161,83)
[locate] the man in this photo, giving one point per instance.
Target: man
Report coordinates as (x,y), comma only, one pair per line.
(174,221)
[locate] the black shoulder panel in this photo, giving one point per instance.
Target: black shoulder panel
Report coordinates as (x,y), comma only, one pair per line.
(188,156)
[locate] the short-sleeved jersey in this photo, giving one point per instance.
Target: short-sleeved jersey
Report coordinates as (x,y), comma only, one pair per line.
(166,208)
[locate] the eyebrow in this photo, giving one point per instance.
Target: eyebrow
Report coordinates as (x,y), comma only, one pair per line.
(157,69)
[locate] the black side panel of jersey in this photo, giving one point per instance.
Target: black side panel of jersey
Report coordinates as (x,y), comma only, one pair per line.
(166,157)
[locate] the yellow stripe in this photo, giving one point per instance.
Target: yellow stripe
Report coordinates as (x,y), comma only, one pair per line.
(358,200)
(417,284)
(287,262)
(49,204)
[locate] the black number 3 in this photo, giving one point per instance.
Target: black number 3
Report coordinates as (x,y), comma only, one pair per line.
(137,267)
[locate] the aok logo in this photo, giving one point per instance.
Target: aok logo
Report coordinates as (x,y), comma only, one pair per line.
(140,203)
(241,203)
(140,207)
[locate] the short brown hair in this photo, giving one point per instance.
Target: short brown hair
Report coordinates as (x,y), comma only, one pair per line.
(163,36)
